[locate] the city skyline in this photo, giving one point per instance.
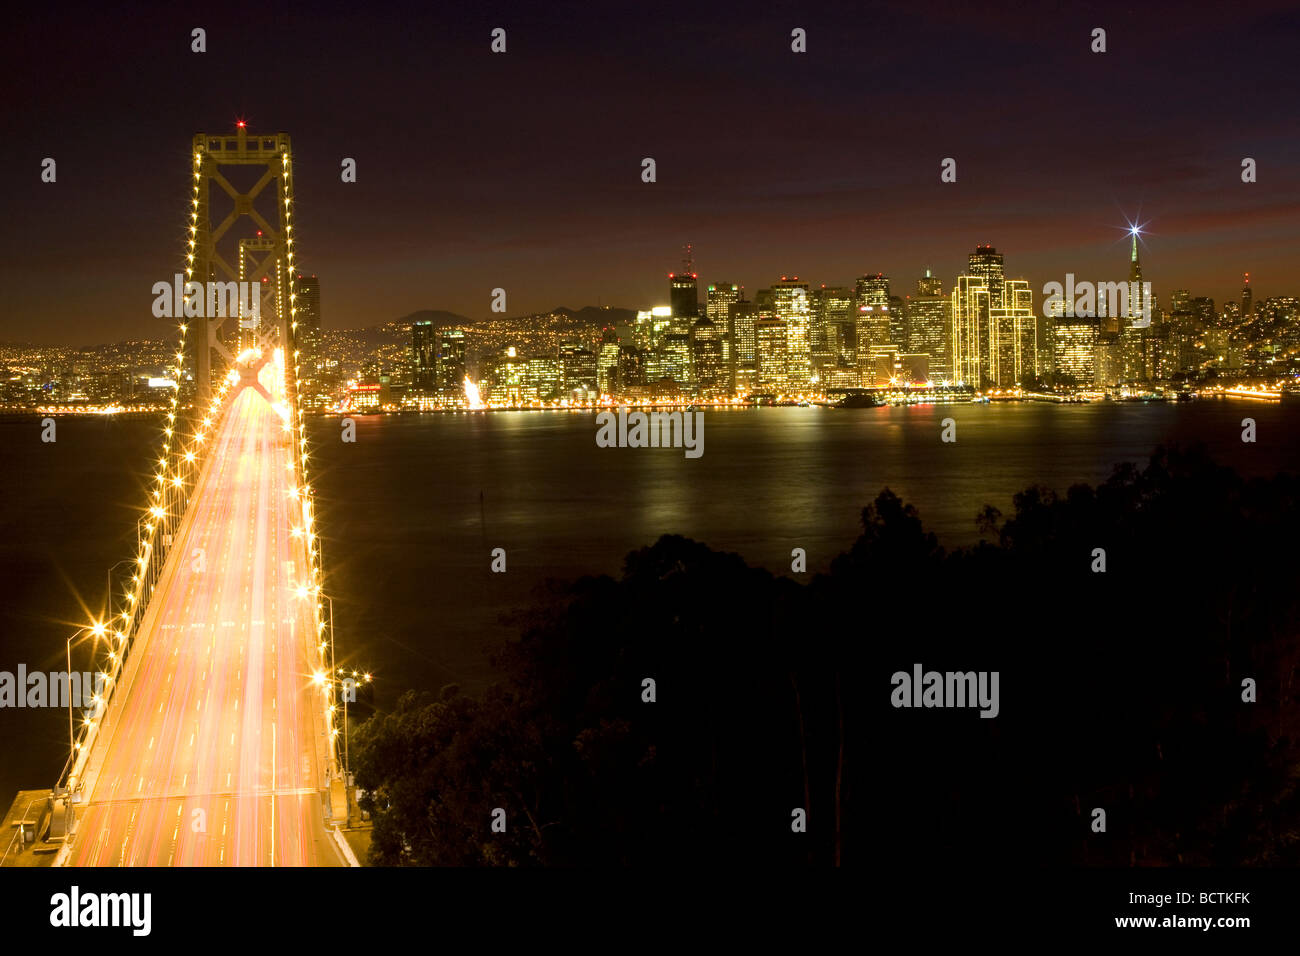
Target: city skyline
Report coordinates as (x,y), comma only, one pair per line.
(510,217)
(900,278)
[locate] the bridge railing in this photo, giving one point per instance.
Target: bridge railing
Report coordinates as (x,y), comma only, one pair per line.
(177,470)
(322,622)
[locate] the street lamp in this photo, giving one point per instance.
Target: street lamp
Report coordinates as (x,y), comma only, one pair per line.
(336,680)
(348,683)
(109,605)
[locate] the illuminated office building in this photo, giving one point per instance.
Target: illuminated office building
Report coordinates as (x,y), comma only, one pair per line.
(684,298)
(308,341)
(541,379)
(424,356)
(718,300)
(986,263)
(1109,361)
(578,371)
(871,319)
(651,326)
(929,325)
(929,284)
(507,378)
(1013,336)
(711,373)
(970,323)
(741,319)
(1076,349)
(607,377)
(792,305)
(897,322)
(770,355)
(674,357)
(994,328)
(451,364)
(833,330)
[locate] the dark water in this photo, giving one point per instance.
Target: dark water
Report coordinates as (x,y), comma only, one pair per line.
(413,508)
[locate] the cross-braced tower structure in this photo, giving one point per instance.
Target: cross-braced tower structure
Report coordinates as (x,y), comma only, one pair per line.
(240,235)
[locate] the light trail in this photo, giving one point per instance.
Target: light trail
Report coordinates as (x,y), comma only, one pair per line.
(215,750)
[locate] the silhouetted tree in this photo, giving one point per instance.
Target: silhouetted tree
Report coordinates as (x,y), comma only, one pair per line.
(1120,690)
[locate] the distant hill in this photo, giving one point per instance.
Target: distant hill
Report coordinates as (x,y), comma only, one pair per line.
(399,330)
(587,315)
(438,317)
(566,321)
(598,315)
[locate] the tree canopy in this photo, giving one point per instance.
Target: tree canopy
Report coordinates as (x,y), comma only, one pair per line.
(1122,690)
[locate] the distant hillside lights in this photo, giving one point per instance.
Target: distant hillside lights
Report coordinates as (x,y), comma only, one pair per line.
(652,430)
(195,300)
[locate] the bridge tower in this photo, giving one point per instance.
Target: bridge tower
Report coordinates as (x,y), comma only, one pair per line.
(251,240)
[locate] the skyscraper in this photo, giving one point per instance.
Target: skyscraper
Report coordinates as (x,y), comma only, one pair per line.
(718,299)
(833,331)
(986,262)
(578,371)
(929,326)
(1013,336)
(793,307)
(308,341)
(451,364)
(871,318)
(1247,299)
(307,303)
(1076,349)
(770,358)
(929,284)
(897,322)
(424,356)
(684,294)
(1203,312)
(711,374)
(1139,309)
(741,319)
(674,357)
(970,322)
(607,377)
(995,331)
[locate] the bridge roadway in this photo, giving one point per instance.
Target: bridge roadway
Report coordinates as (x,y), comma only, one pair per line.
(216,754)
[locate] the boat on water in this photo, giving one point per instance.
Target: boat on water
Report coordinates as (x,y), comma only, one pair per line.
(859,401)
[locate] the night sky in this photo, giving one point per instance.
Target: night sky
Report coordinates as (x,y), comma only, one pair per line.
(522,170)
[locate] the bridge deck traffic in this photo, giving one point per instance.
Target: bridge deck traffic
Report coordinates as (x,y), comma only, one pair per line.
(214,750)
